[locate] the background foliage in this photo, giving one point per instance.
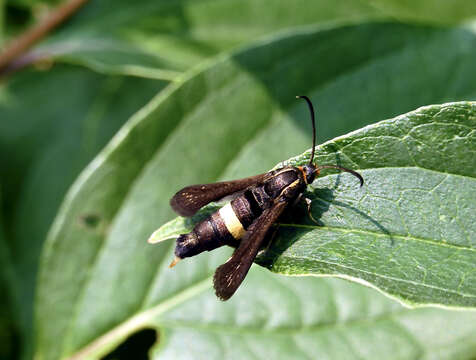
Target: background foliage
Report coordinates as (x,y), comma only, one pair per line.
(212,86)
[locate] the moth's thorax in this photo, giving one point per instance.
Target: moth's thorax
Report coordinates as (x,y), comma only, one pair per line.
(275,185)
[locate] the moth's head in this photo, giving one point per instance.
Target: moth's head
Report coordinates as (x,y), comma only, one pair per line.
(309,171)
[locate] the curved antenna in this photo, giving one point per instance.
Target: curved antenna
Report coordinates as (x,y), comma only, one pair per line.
(355,173)
(311,109)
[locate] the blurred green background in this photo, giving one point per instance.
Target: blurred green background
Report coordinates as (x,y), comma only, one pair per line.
(201,90)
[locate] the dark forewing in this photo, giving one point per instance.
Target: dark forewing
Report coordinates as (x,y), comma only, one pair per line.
(190,199)
(229,276)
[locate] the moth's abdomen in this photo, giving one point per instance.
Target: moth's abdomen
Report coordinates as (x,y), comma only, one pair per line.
(241,207)
(233,225)
(186,245)
(224,227)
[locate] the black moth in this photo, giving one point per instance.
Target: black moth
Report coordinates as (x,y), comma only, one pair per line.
(244,222)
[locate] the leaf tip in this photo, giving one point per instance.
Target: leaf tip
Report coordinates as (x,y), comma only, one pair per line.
(157,237)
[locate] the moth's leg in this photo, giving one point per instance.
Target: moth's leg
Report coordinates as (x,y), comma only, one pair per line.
(297,201)
(308,204)
(300,199)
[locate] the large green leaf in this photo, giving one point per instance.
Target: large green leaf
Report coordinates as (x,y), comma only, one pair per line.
(234,118)
(162,38)
(284,318)
(52,124)
(298,318)
(410,231)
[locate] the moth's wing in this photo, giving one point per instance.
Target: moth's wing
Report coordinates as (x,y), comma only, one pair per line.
(190,199)
(229,276)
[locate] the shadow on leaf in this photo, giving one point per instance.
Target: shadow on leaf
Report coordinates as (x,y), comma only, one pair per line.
(297,222)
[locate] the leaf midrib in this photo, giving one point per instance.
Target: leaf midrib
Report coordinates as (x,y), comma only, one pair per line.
(376,233)
(357,270)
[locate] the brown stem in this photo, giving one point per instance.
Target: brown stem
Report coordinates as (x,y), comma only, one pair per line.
(29,38)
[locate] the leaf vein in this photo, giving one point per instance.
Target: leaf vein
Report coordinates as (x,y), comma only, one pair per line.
(375,233)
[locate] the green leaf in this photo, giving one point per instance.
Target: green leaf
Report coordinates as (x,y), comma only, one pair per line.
(161,39)
(308,318)
(409,232)
(52,124)
(233,118)
(298,318)
(428,10)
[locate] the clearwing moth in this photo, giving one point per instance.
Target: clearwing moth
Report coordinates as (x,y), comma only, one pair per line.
(243,223)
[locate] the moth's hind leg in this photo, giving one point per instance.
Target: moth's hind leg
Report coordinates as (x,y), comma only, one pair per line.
(309,213)
(301,199)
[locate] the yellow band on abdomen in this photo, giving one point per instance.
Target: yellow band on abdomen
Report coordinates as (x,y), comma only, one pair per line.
(231,221)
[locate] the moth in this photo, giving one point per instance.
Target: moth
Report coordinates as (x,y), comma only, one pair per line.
(244,223)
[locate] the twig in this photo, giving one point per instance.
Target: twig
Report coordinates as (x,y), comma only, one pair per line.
(25,41)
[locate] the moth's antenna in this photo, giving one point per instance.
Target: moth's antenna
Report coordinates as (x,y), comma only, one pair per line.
(311,109)
(355,173)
